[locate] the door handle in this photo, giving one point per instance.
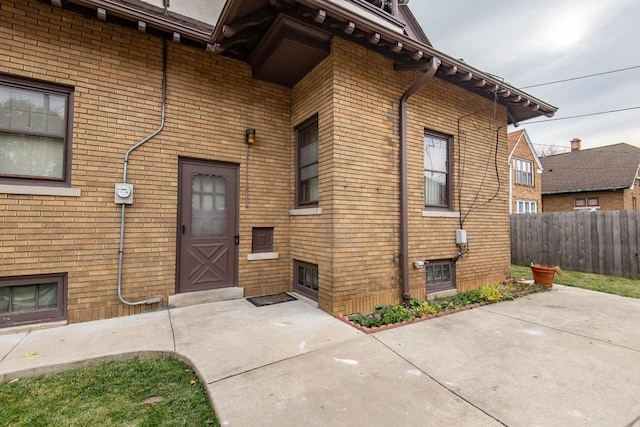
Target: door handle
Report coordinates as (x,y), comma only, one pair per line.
(184,228)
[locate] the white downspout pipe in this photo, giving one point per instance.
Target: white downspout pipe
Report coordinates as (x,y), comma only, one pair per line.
(155,299)
(511,176)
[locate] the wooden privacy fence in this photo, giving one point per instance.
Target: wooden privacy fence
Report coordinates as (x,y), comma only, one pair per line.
(603,242)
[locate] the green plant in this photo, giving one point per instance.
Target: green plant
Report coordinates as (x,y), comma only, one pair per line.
(424,309)
(395,314)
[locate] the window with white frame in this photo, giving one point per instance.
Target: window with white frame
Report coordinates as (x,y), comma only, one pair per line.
(524,171)
(35,132)
(526,206)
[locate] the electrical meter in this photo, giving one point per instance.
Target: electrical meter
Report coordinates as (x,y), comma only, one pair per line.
(124,193)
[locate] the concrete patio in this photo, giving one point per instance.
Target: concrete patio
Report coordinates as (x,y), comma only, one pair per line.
(567,357)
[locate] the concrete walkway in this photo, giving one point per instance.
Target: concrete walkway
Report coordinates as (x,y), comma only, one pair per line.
(568,357)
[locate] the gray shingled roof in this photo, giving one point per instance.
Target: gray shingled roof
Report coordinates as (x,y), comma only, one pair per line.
(612,167)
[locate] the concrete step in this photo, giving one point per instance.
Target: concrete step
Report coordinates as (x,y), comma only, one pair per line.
(202,297)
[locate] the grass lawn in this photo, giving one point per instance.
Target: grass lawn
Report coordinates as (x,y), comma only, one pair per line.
(151,392)
(595,282)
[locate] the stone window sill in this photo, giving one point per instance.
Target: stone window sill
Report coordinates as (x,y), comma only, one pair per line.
(39,190)
(263,255)
(440,214)
(305,211)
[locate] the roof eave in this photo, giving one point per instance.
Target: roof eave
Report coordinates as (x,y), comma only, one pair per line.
(520,105)
(583,190)
(164,23)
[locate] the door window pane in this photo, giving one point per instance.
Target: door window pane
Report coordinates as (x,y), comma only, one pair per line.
(208,207)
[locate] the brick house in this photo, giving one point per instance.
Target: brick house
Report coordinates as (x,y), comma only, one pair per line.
(150,151)
(525,185)
(598,178)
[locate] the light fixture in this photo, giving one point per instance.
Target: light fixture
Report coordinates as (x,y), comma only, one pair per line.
(250,136)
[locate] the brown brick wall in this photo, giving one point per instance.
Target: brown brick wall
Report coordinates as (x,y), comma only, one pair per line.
(311,235)
(211,100)
(609,200)
(117,74)
(367,215)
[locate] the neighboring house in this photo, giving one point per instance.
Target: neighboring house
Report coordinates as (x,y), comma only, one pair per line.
(524,174)
(208,148)
(598,178)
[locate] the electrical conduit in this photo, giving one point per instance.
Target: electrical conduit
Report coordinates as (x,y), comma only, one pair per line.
(431,69)
(155,299)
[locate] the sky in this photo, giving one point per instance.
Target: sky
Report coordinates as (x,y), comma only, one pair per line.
(532,42)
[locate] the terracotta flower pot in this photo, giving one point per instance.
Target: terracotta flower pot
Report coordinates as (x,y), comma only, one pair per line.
(543,274)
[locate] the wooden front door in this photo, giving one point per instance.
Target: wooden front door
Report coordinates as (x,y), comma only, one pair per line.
(207,226)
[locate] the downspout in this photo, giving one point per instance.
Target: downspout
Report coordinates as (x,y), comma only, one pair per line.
(432,67)
(511,176)
(155,299)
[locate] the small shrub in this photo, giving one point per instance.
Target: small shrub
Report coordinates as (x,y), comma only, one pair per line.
(424,309)
(490,293)
(396,314)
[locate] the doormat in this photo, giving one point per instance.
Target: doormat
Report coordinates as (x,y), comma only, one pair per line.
(271,299)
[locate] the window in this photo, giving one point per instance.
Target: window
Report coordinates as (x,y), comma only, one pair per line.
(436,171)
(35,132)
(524,172)
(440,276)
(262,239)
(305,278)
(307,163)
(586,203)
(526,206)
(30,299)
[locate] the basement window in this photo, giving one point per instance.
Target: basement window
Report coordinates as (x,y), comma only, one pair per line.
(440,276)
(32,299)
(305,279)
